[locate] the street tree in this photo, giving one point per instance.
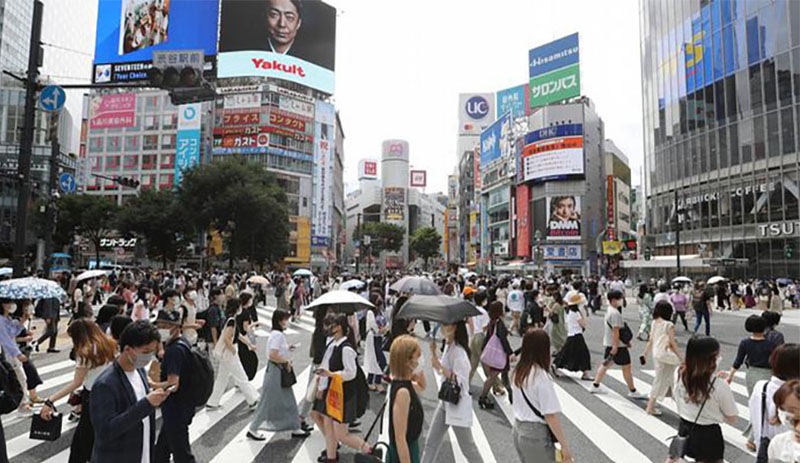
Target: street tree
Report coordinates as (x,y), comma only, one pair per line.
(383,237)
(157,218)
(244,202)
(93,217)
(425,243)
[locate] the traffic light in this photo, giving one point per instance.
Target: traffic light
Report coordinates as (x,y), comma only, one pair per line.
(647,253)
(181,74)
(789,251)
(127,181)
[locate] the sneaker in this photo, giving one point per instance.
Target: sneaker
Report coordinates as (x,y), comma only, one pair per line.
(73,416)
(636,395)
(596,389)
(306,427)
(300,434)
(252,406)
(256,436)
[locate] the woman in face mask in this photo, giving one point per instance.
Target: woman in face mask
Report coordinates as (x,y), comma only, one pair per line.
(704,400)
(785,447)
(94,351)
(189,315)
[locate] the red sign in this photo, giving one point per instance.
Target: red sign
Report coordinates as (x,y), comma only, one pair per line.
(112,111)
(239,130)
(370,168)
(523,225)
(288,133)
(287,121)
(241,118)
(611,232)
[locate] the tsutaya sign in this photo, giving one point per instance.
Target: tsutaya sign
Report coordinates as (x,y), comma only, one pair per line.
(780,229)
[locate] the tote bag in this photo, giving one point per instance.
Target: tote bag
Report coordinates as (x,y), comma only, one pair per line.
(493,355)
(334,400)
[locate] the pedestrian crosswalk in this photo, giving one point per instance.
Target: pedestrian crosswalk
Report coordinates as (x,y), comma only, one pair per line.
(607,427)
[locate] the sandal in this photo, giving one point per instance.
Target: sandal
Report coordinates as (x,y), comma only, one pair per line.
(751,446)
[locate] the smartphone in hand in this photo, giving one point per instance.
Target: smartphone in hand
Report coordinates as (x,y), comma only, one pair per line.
(642,359)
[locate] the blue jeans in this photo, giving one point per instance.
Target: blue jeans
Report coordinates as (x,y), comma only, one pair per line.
(699,316)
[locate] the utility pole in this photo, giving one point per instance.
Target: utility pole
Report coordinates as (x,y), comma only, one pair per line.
(52,188)
(26,141)
(678,213)
(360,238)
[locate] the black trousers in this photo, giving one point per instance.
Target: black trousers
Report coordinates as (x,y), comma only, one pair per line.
(80,451)
(683,319)
(174,436)
(50,332)
(3,451)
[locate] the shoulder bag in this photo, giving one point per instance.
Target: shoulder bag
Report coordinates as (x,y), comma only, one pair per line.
(493,354)
(662,353)
(763,443)
(677,448)
(288,377)
(539,414)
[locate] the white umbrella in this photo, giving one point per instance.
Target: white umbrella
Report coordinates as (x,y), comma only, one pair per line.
(258,280)
(349,284)
(30,288)
(6,271)
(342,301)
(89,274)
(302,273)
(470,274)
(716,279)
(681,280)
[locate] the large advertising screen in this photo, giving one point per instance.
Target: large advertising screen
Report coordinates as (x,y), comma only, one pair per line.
(292,40)
(394,204)
(563,218)
(554,71)
(496,140)
(553,153)
(129,31)
(514,100)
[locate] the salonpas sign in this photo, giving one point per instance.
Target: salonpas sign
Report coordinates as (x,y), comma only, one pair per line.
(780,229)
(559,85)
(554,71)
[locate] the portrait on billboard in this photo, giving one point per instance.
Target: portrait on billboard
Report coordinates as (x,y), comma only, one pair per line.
(144,24)
(564,218)
(304,29)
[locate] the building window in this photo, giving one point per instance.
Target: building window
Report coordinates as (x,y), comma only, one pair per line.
(130,162)
(112,162)
(169,121)
(151,103)
(166,180)
(131,143)
(95,144)
(150,142)
(167,161)
(149,161)
(167,142)
(113,144)
(151,122)
(787,131)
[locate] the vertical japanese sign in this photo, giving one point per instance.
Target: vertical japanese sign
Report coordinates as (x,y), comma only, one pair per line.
(611,233)
(323,173)
(187,144)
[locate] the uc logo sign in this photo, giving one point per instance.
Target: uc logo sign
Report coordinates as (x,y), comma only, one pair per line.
(477,107)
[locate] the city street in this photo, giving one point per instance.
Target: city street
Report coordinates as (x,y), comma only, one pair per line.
(601,428)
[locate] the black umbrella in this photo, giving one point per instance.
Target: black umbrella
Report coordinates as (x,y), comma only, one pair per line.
(416,285)
(444,309)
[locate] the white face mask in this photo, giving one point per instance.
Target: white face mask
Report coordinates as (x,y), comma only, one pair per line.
(785,418)
(165,334)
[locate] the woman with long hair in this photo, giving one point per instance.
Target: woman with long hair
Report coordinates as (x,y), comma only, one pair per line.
(94,351)
(497,330)
(666,355)
(574,356)
(246,321)
(785,366)
(556,315)
(536,407)
(453,366)
(406,415)
(319,340)
(704,400)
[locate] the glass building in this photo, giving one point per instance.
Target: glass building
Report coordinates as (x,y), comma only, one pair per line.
(721,100)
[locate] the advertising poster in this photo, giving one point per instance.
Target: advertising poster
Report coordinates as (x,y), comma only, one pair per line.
(419,178)
(187,141)
(553,153)
(128,31)
(475,112)
(367,169)
(323,179)
(496,140)
(563,218)
(394,204)
(275,38)
(523,222)
(610,213)
(554,71)
(112,111)
(513,100)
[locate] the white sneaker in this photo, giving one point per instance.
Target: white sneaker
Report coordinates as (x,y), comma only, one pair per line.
(636,395)
(596,390)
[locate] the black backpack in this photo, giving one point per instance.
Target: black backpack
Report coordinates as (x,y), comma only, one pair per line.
(201,380)
(10,390)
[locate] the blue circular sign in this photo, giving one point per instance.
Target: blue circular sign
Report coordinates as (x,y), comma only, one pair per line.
(189,113)
(477,107)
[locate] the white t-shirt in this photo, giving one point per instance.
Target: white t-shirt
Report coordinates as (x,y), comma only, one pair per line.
(573,326)
(480,322)
(277,341)
(783,448)
(349,364)
(515,301)
(720,403)
(755,408)
(91,373)
(541,392)
(140,392)
(455,359)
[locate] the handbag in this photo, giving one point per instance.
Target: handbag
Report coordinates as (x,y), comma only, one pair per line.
(493,354)
(311,391)
(763,443)
(450,391)
(288,378)
(677,448)
(662,353)
(48,430)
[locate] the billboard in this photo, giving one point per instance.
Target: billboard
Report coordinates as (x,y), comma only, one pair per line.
(394,204)
(324,134)
(452,188)
(562,252)
(563,218)
(554,71)
(112,111)
(553,153)
(419,178)
(129,31)
(496,140)
(475,112)
(523,223)
(513,100)
(187,140)
(367,169)
(610,213)
(395,149)
(281,39)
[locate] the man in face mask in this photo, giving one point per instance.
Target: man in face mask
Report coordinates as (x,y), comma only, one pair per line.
(123,406)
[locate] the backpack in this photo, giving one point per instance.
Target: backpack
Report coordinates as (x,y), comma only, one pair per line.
(10,389)
(201,380)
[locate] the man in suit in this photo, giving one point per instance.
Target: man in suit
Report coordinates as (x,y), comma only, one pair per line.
(284,21)
(123,406)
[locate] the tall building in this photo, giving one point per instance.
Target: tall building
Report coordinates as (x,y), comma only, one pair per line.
(619,222)
(721,100)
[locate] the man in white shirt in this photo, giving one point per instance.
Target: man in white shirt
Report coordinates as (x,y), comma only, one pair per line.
(516,303)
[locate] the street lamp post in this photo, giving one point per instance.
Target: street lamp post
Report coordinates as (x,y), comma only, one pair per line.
(678,215)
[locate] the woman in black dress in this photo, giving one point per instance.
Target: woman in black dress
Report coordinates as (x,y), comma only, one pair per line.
(246,322)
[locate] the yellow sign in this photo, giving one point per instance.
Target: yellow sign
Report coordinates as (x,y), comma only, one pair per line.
(301,240)
(612,247)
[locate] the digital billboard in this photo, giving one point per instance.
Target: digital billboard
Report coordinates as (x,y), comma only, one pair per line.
(513,100)
(563,218)
(283,39)
(129,31)
(394,204)
(553,153)
(496,140)
(554,71)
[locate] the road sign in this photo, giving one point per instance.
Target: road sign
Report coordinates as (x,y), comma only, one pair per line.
(66,182)
(367,240)
(52,98)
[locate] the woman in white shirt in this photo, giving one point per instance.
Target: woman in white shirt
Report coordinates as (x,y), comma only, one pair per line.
(536,423)
(374,360)
(785,364)
(574,356)
(94,351)
(454,364)
(666,355)
(704,400)
(785,447)
(478,326)
(277,409)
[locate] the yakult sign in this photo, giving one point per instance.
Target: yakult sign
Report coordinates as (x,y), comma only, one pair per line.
(475,112)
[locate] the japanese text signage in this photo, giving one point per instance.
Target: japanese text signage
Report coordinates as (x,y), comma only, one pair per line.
(117,243)
(187,141)
(554,71)
(553,153)
(496,140)
(557,252)
(419,178)
(513,100)
(324,133)
(112,111)
(611,233)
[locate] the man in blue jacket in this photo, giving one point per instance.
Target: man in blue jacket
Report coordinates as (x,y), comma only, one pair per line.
(123,407)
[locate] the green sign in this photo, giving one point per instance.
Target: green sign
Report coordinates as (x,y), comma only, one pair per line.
(558,85)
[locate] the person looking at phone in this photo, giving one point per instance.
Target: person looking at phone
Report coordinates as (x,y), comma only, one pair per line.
(125,424)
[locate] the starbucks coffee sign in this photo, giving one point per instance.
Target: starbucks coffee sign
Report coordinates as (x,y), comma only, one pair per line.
(780,229)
